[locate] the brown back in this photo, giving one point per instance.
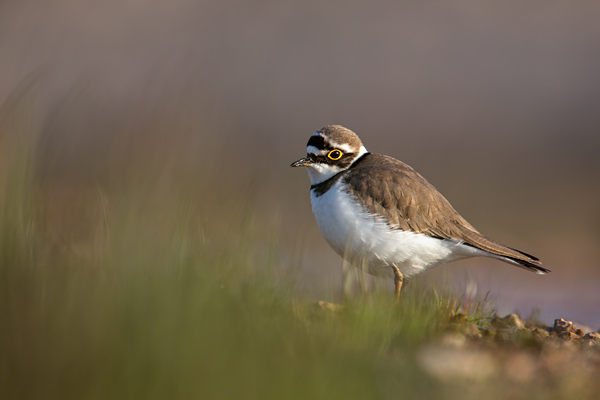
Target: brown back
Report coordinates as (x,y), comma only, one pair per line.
(393,190)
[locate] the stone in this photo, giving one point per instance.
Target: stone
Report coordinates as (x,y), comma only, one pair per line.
(499,323)
(560,325)
(471,330)
(488,333)
(540,332)
(514,320)
(592,337)
(567,335)
(526,338)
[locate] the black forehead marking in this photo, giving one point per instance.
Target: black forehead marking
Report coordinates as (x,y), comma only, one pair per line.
(318,141)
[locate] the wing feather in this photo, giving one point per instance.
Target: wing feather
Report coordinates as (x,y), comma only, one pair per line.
(393,190)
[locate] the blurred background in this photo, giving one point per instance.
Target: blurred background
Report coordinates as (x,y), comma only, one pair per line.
(495,103)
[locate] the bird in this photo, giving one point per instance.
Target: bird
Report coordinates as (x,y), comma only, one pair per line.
(378,213)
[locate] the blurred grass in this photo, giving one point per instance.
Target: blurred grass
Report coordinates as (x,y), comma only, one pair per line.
(154,287)
(150,295)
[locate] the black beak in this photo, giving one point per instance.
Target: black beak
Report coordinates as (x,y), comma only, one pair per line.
(303,162)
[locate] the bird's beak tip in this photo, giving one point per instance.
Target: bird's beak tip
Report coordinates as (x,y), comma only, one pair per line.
(303,162)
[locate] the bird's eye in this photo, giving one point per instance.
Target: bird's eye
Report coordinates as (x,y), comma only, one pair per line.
(335,154)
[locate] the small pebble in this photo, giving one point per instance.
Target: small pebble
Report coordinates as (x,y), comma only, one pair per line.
(566,335)
(560,325)
(514,320)
(592,337)
(471,330)
(540,332)
(499,323)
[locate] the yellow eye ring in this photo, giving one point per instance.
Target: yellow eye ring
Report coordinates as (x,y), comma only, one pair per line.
(335,154)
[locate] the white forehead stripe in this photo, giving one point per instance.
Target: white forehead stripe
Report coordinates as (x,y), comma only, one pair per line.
(314,150)
(346,148)
(343,147)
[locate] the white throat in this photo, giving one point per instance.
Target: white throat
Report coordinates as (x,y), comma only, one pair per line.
(321,172)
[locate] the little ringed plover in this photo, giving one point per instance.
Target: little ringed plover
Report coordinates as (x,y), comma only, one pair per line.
(376,211)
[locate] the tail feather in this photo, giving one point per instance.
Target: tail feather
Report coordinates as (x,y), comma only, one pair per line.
(533,266)
(511,256)
(525,254)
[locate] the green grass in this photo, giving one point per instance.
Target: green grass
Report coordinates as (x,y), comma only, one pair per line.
(187,322)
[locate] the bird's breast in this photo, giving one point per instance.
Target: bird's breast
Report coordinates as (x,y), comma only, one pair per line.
(336,216)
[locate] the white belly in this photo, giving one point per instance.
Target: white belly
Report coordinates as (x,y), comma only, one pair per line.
(363,239)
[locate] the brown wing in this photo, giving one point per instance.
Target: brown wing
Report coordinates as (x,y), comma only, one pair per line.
(392,189)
